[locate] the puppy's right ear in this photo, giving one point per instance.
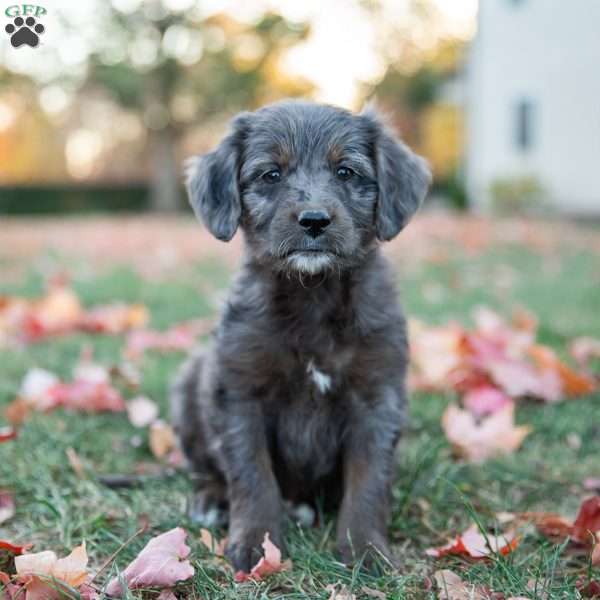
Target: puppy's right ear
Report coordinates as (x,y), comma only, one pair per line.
(212,183)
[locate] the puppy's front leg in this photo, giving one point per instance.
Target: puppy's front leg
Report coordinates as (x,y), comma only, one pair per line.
(254,497)
(368,458)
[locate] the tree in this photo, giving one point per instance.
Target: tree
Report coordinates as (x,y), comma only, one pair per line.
(176,68)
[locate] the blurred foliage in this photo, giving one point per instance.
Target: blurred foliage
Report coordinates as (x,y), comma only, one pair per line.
(160,84)
(176,69)
(517,195)
(420,99)
(60,198)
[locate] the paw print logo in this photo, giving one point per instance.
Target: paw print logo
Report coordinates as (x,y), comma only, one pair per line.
(24,31)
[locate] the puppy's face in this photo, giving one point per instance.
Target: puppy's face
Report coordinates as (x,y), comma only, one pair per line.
(312,186)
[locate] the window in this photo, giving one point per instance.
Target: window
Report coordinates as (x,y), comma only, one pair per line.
(523,125)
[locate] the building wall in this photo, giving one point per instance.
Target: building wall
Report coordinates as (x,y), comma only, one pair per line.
(546,52)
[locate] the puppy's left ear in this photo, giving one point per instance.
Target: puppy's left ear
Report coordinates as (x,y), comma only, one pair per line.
(403,179)
(212,183)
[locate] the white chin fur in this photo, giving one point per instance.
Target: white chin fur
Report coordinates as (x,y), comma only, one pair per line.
(309,262)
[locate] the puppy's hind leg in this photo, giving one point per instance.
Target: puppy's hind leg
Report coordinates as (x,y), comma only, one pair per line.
(209,506)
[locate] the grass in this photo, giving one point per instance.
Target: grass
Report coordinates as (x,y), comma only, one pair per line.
(434,496)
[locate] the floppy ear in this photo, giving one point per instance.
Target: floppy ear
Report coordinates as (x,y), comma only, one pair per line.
(212,183)
(403,179)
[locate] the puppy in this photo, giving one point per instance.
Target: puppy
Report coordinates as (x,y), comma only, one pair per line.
(301,393)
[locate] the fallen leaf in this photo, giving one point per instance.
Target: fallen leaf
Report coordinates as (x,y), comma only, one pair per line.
(17,411)
(179,338)
(574,384)
(587,522)
(582,530)
(217,547)
(452,587)
(162,439)
(7,434)
(435,352)
(13,548)
(474,544)
(268,564)
(90,390)
(60,312)
(75,462)
(161,564)
(478,440)
(485,400)
(552,525)
(7,505)
(141,411)
(588,588)
(43,573)
(114,318)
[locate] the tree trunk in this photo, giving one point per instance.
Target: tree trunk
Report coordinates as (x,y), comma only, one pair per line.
(165,176)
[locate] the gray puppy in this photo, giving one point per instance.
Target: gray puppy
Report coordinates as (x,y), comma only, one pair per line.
(301,393)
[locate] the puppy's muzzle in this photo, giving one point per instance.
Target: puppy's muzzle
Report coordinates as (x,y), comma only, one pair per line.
(314,222)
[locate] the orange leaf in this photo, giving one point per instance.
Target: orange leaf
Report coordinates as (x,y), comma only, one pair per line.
(474,544)
(574,384)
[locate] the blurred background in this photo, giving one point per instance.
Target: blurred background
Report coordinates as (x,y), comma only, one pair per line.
(501,96)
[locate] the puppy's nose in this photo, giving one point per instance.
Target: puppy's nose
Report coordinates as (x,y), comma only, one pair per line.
(314,222)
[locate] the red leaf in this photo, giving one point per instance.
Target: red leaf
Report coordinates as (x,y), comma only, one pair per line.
(7,434)
(268,564)
(13,549)
(474,544)
(588,520)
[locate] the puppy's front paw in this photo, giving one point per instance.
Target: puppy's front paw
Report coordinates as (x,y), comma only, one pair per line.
(244,548)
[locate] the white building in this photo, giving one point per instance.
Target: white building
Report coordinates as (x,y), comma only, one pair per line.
(533,106)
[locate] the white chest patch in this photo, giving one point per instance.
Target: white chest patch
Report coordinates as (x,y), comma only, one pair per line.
(320,379)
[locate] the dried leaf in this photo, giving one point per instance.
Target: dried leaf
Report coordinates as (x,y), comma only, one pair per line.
(574,384)
(474,544)
(268,564)
(162,439)
(587,522)
(38,571)
(161,564)
(114,318)
(477,441)
(75,462)
(452,587)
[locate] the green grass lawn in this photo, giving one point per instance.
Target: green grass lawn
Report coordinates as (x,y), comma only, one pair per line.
(435,496)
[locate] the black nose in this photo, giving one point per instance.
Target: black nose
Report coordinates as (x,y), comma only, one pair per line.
(314,222)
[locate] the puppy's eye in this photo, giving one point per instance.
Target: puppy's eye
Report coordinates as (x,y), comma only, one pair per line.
(344,173)
(273,176)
